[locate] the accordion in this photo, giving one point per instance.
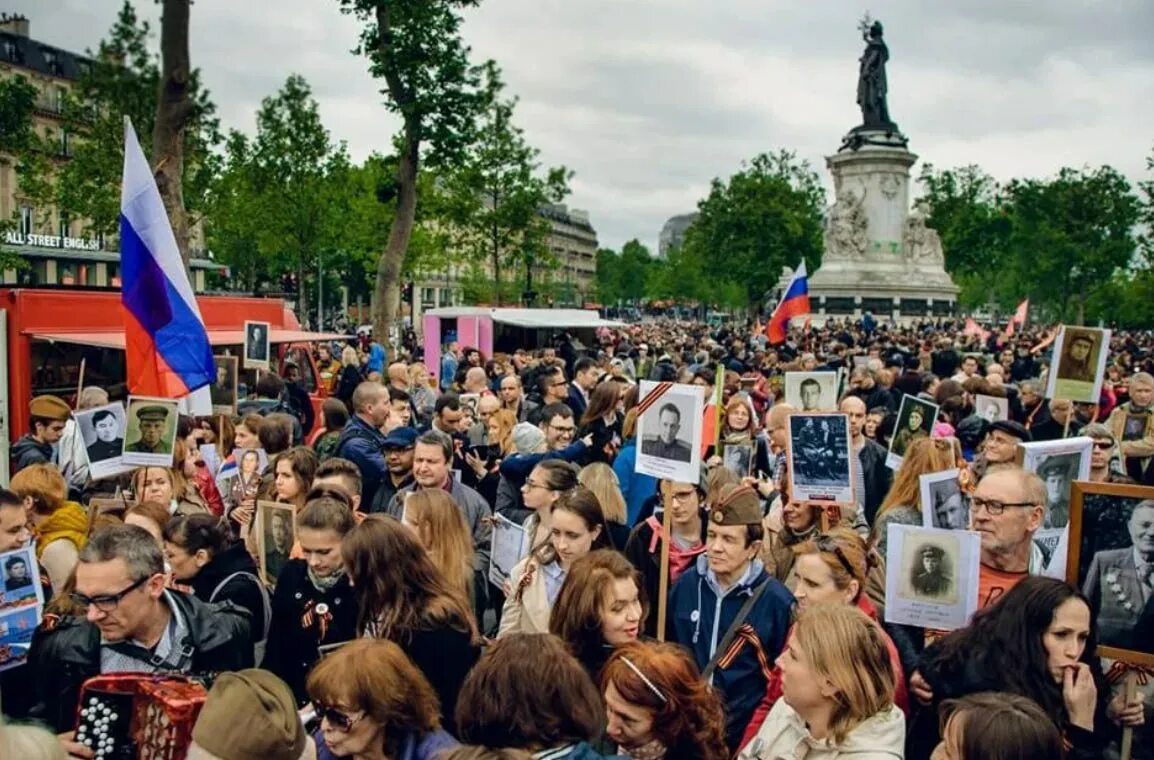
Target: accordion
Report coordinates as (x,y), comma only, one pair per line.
(126,716)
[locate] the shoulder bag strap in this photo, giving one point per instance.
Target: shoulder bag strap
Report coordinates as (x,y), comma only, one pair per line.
(731,633)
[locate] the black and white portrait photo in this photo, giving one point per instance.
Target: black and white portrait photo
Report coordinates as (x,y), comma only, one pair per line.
(931,576)
(669,430)
(991,408)
(943,504)
(256,345)
(103,429)
(820,461)
(1058,463)
(916,420)
(276,535)
(738,458)
(1079,364)
(811,391)
(20,579)
(932,572)
(223,388)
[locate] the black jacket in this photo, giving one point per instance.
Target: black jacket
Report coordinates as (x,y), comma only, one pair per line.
(298,630)
(28,451)
(445,656)
(245,592)
(877,477)
(67,654)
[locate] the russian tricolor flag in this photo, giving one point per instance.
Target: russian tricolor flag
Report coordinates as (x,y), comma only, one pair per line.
(794,303)
(166,344)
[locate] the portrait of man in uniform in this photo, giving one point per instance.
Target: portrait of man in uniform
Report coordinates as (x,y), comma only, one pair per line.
(666,444)
(151,432)
(931,576)
(1120,583)
(151,422)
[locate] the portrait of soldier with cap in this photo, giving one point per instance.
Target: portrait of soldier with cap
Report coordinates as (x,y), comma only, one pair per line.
(256,345)
(1057,472)
(151,429)
(930,575)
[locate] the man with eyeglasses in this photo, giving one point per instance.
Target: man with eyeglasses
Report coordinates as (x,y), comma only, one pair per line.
(132,624)
(999,448)
(49,416)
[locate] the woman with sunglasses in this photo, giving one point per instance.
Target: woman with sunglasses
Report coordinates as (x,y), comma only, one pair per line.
(658,706)
(833,568)
(374,704)
(576,527)
(403,597)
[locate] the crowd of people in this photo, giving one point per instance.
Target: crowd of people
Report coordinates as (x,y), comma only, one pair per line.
(712,618)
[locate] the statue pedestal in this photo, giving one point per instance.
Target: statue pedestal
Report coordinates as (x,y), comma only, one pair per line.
(878,256)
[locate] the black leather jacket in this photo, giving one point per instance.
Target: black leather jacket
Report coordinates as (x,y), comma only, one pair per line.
(65,655)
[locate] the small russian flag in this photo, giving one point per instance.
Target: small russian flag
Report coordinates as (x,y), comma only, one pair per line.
(166,344)
(794,303)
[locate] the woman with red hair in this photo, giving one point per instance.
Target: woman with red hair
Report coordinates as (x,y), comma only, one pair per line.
(658,706)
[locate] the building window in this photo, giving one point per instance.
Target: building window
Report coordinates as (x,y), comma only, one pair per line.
(427,296)
(59,100)
(12,52)
(446,296)
(52,61)
(25,220)
(64,149)
(65,225)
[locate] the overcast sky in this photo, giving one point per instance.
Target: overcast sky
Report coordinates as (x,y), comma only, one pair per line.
(648,100)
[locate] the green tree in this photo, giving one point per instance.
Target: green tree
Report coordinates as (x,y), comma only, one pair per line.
(635,265)
(608,276)
(966,208)
(498,189)
(415,46)
(766,216)
(1070,235)
(21,146)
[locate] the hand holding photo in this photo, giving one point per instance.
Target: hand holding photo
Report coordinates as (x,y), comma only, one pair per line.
(276,534)
(820,458)
(738,458)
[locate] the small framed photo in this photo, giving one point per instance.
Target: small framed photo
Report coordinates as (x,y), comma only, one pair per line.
(257,348)
(16,628)
(943,504)
(820,458)
(223,388)
(1111,540)
(916,419)
(738,458)
(811,391)
(669,427)
(20,579)
(151,431)
(931,576)
(1079,364)
(991,408)
(103,429)
(276,533)
(1058,463)
(470,401)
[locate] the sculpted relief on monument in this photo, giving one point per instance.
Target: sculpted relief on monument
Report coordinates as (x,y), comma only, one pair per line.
(847,227)
(921,244)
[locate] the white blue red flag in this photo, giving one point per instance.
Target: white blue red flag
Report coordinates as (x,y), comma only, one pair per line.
(165,341)
(794,303)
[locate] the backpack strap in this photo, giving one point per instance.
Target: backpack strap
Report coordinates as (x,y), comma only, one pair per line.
(265,603)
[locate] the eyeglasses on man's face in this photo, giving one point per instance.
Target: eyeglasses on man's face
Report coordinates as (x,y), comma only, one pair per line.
(106,602)
(995,507)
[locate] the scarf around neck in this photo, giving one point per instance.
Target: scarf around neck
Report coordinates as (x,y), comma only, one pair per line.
(325,583)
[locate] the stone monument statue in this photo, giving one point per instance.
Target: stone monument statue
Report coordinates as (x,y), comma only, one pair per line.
(878,254)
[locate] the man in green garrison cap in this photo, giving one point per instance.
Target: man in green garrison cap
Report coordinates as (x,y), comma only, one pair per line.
(153,419)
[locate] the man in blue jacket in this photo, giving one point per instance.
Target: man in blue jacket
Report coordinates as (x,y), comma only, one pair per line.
(708,597)
(362,441)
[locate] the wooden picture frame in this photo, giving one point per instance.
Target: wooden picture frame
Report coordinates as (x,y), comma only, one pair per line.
(271,557)
(1109,586)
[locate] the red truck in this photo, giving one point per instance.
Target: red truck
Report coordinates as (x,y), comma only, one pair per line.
(49,332)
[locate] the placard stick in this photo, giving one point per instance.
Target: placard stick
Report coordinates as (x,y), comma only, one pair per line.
(80,380)
(1130,691)
(666,538)
(1069,416)
(718,395)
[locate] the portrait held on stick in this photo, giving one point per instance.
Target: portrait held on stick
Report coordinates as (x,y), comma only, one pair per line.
(669,427)
(104,429)
(915,420)
(1079,364)
(223,388)
(820,460)
(151,431)
(1112,561)
(943,503)
(257,346)
(811,391)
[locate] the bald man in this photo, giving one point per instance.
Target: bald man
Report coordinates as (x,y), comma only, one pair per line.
(872,479)
(476,381)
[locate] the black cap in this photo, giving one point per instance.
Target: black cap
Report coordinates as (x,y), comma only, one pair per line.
(1016,429)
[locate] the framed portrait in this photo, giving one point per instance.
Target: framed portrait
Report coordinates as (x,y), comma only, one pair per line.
(151,431)
(240,475)
(470,401)
(931,576)
(223,388)
(257,347)
(1058,463)
(811,391)
(738,458)
(1111,542)
(103,429)
(16,628)
(1078,364)
(916,419)
(820,458)
(669,428)
(20,584)
(275,528)
(943,503)
(991,408)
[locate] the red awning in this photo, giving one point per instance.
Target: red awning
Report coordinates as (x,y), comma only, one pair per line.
(215,337)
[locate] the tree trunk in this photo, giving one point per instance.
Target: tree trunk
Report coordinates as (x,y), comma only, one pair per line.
(387,296)
(173,110)
(496,268)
